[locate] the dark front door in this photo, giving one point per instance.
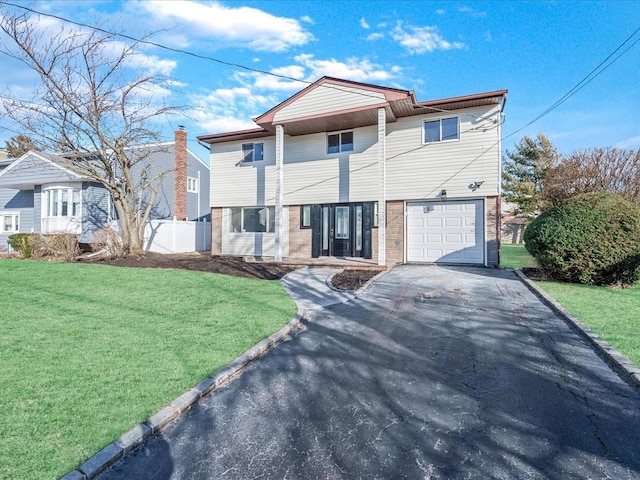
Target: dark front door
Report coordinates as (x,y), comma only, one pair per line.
(341,230)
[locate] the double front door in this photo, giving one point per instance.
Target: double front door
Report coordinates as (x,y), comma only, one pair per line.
(342,229)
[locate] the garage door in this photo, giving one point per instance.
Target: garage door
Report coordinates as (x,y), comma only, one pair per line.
(445,232)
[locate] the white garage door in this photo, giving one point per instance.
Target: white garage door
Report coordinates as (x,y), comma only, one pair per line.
(446,232)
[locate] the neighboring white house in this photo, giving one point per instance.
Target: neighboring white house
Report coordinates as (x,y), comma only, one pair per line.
(349,169)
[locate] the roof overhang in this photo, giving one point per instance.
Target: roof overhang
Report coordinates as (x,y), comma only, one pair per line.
(397,104)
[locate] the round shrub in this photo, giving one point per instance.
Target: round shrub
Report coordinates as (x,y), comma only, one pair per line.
(592,238)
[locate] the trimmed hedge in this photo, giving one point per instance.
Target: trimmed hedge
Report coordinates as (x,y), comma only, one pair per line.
(21,243)
(592,239)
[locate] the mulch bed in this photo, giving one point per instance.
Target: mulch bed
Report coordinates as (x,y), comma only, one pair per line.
(352,279)
(201,262)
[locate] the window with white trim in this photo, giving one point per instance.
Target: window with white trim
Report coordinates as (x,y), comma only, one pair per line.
(340,142)
(252,152)
(253,219)
(192,185)
(61,202)
(441,130)
(9,222)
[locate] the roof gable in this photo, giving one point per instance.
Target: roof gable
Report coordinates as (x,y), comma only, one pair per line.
(35,168)
(331,96)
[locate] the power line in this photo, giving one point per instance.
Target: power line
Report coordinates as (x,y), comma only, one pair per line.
(585,81)
(197,55)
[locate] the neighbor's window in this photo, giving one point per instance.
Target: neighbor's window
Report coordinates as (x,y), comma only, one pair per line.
(252,152)
(441,130)
(305,216)
(62,202)
(340,142)
(253,219)
(192,184)
(10,222)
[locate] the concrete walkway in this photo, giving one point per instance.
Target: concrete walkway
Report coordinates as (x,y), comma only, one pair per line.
(434,372)
(310,288)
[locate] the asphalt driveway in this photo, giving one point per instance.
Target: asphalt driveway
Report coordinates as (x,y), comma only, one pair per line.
(434,373)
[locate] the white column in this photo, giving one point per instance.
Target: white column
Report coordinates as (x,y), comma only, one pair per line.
(279,192)
(382,186)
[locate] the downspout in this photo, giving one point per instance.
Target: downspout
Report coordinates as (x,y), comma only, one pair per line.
(382,187)
(279,192)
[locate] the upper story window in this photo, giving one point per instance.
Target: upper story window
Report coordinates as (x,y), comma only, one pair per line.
(192,185)
(9,222)
(61,202)
(441,130)
(252,152)
(340,142)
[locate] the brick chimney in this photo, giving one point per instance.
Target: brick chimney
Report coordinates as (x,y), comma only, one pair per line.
(180,152)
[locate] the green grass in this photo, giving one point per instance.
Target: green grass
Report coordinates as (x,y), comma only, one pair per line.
(612,313)
(88,351)
(514,255)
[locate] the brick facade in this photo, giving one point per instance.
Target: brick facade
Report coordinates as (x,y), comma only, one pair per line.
(395,232)
(492,234)
(299,238)
(216,231)
(180,207)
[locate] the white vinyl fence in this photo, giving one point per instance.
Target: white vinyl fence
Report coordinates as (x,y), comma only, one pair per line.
(174,236)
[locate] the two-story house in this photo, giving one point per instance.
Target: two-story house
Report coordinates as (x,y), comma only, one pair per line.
(41,192)
(349,169)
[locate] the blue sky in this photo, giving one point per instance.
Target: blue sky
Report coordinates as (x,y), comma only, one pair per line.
(537,50)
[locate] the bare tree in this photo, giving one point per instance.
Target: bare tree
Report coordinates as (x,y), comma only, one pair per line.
(595,170)
(18,145)
(93,102)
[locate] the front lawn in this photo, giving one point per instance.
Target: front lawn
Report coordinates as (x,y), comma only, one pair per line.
(88,351)
(514,255)
(612,313)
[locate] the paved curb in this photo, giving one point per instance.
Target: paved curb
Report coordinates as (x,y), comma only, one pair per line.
(621,364)
(141,432)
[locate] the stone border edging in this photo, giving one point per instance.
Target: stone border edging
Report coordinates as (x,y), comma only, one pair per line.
(141,432)
(623,366)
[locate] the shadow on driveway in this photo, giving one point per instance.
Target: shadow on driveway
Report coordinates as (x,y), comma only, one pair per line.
(435,372)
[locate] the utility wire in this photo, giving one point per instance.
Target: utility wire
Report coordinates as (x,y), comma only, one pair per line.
(197,55)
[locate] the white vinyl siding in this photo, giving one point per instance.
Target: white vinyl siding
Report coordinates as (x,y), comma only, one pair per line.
(325,99)
(414,170)
(256,244)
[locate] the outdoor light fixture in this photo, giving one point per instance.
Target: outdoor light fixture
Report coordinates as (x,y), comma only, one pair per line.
(443,194)
(475,185)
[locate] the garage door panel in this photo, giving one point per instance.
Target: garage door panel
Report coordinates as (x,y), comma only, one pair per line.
(446,232)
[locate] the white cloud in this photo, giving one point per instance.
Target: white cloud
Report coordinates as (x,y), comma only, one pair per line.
(375,36)
(153,64)
(441,11)
(631,142)
(472,11)
(307,19)
(364,24)
(236,26)
(361,70)
(422,39)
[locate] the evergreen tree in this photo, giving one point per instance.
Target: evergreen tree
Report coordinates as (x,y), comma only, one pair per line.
(523,172)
